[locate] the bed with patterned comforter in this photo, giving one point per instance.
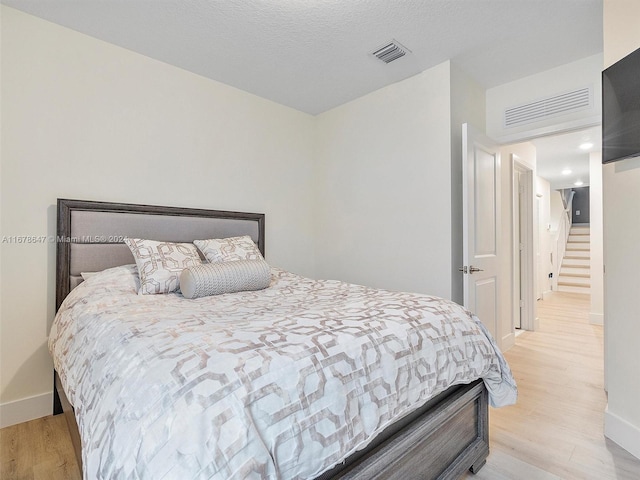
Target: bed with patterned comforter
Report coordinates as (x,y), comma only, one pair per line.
(282,383)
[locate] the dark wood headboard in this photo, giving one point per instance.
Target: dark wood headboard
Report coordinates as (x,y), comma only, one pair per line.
(90,234)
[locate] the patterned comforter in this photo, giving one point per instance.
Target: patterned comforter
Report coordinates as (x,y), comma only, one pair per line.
(282,383)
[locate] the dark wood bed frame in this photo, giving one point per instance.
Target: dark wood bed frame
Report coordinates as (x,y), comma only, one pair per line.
(441,440)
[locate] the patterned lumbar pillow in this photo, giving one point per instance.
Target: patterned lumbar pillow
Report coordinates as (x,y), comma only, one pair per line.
(160,263)
(224,277)
(218,250)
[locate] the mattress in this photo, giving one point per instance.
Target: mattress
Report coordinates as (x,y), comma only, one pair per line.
(284,382)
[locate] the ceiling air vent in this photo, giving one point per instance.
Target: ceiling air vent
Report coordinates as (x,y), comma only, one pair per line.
(548,107)
(390,51)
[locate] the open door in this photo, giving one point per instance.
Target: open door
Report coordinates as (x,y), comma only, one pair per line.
(481,226)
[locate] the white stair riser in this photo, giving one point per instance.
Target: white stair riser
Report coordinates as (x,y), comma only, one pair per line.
(566,269)
(574,248)
(573,262)
(577,254)
(578,246)
(582,239)
(578,280)
(562,288)
(580,230)
(579,239)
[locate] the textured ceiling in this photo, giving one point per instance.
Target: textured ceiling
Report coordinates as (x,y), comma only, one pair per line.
(313,55)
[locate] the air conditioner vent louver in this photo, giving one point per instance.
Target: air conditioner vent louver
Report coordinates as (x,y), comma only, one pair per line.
(390,52)
(548,107)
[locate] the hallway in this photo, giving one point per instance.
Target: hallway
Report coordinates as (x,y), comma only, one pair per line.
(556,428)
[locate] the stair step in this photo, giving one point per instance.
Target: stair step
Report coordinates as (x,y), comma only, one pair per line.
(585,247)
(577,258)
(574,281)
(575,253)
(574,272)
(575,285)
(571,289)
(579,238)
(582,263)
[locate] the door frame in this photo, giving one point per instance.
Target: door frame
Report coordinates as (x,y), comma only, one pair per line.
(527,270)
(516,233)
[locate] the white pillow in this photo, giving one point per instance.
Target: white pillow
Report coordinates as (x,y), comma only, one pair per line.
(160,263)
(87,275)
(217,250)
(224,277)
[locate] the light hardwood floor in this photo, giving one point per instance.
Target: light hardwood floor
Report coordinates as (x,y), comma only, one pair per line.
(554,432)
(556,428)
(38,450)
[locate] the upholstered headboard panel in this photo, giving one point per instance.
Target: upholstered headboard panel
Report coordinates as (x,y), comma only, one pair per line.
(90,234)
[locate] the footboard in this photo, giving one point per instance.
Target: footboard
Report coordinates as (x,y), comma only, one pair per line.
(443,442)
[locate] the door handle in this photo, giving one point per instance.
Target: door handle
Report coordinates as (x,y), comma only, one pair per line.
(474,269)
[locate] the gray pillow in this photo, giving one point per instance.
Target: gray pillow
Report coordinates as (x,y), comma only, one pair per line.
(227,277)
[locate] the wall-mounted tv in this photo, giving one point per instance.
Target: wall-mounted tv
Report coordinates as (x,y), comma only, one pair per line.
(621,109)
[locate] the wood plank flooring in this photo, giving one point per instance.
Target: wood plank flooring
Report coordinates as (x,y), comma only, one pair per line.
(38,450)
(554,432)
(556,428)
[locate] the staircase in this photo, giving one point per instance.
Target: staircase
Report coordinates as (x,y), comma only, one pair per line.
(575,276)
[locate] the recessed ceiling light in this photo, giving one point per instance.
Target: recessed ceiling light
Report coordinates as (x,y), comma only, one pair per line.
(586,146)
(579,183)
(566,171)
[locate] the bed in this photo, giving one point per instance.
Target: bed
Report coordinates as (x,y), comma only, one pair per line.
(428,428)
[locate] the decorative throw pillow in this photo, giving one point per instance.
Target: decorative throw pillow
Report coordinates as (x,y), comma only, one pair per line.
(224,277)
(160,263)
(230,249)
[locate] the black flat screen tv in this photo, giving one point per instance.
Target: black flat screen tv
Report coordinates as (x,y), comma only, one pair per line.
(621,109)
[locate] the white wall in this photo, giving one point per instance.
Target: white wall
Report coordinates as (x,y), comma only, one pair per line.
(557,209)
(467,106)
(562,79)
(556,214)
(543,232)
(596,315)
(85,119)
(383,187)
(621,195)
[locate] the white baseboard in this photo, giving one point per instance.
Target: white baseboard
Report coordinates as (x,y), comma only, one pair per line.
(26,409)
(508,341)
(622,432)
(596,319)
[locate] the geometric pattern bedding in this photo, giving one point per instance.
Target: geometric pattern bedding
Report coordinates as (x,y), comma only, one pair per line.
(282,383)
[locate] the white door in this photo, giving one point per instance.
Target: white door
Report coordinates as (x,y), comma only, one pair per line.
(481,226)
